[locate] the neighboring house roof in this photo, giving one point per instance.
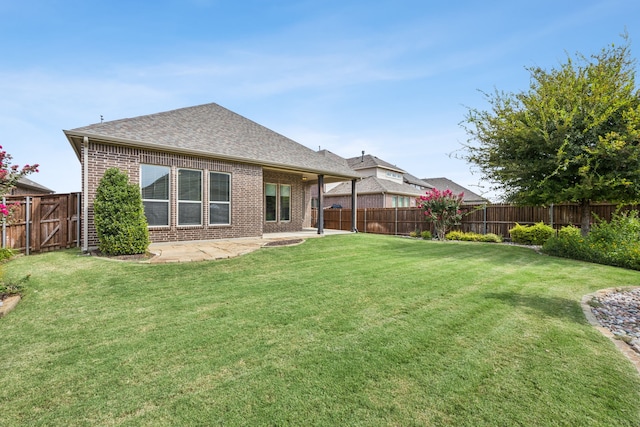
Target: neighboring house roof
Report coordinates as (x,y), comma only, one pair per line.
(445,183)
(374,185)
(27,184)
(368,161)
(212,131)
(411,179)
(334,157)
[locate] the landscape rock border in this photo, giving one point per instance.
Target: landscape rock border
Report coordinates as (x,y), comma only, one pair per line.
(625,348)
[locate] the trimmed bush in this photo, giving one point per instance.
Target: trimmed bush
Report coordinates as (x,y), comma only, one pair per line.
(536,234)
(474,237)
(426,234)
(119,216)
(569,231)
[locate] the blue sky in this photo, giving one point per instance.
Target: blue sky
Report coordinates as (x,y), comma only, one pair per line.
(392,78)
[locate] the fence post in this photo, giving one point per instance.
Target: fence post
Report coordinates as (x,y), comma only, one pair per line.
(27,215)
(78,221)
(395,232)
(365,220)
(484,219)
(551,215)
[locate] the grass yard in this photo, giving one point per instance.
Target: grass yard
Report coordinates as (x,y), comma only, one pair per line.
(345,330)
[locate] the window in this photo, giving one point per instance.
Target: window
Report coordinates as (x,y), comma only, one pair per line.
(285,202)
(394,201)
(219,198)
(189,197)
(270,202)
(277,203)
(154,182)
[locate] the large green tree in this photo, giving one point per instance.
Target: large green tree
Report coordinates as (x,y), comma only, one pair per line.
(573,136)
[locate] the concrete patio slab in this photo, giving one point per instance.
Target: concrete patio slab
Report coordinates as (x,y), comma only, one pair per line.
(207,250)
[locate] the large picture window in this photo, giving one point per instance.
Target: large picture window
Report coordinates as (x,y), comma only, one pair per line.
(285,202)
(154,182)
(219,198)
(271,202)
(189,197)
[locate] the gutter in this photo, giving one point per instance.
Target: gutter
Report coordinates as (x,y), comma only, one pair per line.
(71,136)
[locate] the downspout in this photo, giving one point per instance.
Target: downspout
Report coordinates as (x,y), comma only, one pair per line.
(85,194)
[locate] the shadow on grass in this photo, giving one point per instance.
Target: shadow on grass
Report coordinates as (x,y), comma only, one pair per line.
(557,307)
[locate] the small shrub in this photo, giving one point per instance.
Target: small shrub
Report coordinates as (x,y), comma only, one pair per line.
(426,234)
(491,238)
(6,253)
(414,233)
(569,231)
(474,237)
(536,234)
(119,215)
(8,288)
(454,235)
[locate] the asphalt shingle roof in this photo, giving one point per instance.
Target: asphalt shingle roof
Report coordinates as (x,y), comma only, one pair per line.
(412,179)
(375,185)
(445,183)
(213,131)
(32,185)
(368,161)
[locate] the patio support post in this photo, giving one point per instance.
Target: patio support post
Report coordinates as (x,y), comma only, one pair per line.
(85,195)
(354,207)
(320,204)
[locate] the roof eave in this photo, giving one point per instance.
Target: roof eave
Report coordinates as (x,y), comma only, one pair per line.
(75,138)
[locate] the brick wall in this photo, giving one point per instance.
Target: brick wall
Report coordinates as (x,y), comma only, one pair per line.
(21,191)
(364,201)
(298,202)
(246,192)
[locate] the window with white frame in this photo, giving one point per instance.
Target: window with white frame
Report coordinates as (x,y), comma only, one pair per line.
(219,198)
(189,197)
(285,202)
(154,184)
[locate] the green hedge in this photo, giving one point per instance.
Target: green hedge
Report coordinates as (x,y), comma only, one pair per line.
(614,243)
(536,234)
(473,237)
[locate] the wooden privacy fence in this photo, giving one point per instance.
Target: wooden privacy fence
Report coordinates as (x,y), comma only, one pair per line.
(42,223)
(483,219)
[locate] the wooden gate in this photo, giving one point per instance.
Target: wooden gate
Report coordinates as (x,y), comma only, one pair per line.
(42,223)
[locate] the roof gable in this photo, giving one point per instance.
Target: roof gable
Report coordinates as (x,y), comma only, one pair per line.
(213,131)
(368,161)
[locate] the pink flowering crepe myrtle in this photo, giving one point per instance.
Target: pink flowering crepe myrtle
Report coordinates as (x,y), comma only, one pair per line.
(442,208)
(9,176)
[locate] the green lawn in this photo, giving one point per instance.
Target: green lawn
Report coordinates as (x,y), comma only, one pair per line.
(344,330)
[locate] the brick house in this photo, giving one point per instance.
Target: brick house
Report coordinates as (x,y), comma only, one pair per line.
(383,185)
(205,172)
